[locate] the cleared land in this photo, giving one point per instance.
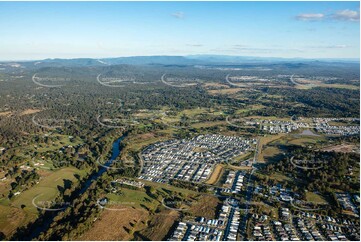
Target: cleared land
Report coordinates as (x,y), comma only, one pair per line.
(29,111)
(270,152)
(262,145)
(225,91)
(158,226)
(344,148)
(117,225)
(205,207)
(5,113)
(216,174)
(10,218)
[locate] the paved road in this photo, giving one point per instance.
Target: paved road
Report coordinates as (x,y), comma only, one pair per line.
(293,81)
(248,197)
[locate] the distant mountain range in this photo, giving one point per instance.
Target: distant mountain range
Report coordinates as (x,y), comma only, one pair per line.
(174,60)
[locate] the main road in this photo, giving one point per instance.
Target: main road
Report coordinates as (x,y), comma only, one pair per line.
(248,196)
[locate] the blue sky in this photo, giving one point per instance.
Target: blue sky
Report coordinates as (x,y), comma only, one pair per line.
(37,30)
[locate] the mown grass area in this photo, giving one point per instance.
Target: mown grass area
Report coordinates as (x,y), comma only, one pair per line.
(341,123)
(138,142)
(238,168)
(142,198)
(208,124)
(47,189)
(20,209)
(279,177)
(150,220)
(243,157)
(342,86)
(249,108)
(271,147)
(302,141)
(314,198)
(268,118)
(196,111)
(161,186)
(263,143)
(151,200)
(270,151)
(191,114)
(133,198)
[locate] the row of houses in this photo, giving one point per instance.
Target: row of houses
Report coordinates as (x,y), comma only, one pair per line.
(275,192)
(338,130)
(334,232)
(308,230)
(325,219)
(285,214)
(230,210)
(129,182)
(225,227)
(262,233)
(285,231)
(190,160)
(201,229)
(305,228)
(322,126)
(280,126)
(332,229)
(234,182)
(345,201)
(179,232)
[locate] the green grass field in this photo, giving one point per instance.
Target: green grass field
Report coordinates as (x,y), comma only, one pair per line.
(280,177)
(132,198)
(20,210)
(140,198)
(47,189)
(314,198)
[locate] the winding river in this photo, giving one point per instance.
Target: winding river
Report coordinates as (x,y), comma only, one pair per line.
(115,153)
(46,221)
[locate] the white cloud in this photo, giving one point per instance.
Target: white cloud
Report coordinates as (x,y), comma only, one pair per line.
(339,46)
(195,45)
(240,46)
(346,15)
(262,49)
(179,15)
(329,47)
(343,15)
(310,16)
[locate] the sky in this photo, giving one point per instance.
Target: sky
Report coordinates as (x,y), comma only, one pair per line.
(38,30)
